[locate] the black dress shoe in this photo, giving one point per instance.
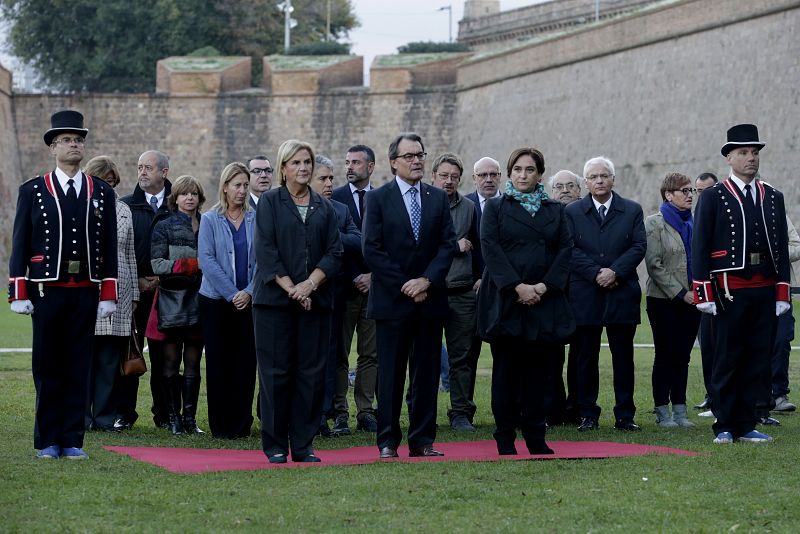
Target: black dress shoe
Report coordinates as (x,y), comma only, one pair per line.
(279,458)
(324,430)
(388,452)
(539,446)
(627,424)
(308,458)
(427,450)
(768,421)
(588,423)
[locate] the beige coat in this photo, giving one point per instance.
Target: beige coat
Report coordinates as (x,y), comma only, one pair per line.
(119,324)
(665,259)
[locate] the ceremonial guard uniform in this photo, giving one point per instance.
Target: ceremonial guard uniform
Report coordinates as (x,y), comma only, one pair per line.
(63,263)
(740,262)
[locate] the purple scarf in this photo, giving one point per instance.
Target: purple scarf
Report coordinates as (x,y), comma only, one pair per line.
(682,222)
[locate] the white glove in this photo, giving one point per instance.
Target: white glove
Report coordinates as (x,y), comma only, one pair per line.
(708,307)
(781,307)
(105,308)
(25,307)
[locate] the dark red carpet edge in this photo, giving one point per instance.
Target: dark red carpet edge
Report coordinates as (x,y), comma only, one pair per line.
(209,460)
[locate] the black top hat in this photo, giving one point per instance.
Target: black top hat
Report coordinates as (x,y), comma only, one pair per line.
(741,135)
(64,122)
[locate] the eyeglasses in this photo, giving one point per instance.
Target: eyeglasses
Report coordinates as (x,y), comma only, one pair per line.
(485,175)
(410,157)
(686,190)
(453,177)
(69,140)
(593,177)
(568,185)
(265,170)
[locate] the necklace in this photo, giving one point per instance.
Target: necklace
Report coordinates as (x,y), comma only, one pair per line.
(234,221)
(299,197)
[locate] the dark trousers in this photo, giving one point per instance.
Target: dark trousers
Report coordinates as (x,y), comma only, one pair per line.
(63,342)
(291,347)
(101,405)
(780,355)
(355,321)
(707,348)
(230,367)
(463,350)
(674,324)
(334,349)
(155,351)
(744,330)
(519,377)
(416,343)
(620,342)
(560,404)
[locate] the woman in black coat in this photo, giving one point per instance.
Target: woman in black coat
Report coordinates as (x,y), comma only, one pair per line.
(522,309)
(298,249)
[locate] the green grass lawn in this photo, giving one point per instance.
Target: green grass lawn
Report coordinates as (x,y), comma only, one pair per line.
(742,488)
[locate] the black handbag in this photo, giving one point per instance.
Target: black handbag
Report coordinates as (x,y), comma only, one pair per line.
(178,304)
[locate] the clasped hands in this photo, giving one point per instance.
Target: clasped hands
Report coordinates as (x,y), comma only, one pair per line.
(302,293)
(417,289)
(241,300)
(606,278)
(530,294)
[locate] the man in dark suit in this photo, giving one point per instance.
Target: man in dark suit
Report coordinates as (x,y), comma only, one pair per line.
(604,291)
(740,265)
(359,165)
(260,178)
(63,271)
(322,183)
(486,174)
(148,199)
(409,244)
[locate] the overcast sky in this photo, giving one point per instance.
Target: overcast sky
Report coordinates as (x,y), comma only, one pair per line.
(387,24)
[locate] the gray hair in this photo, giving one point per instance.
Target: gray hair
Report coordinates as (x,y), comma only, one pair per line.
(324,161)
(552,179)
(599,160)
(483,160)
(162,160)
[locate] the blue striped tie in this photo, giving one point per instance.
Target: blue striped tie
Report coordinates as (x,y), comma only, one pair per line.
(415,212)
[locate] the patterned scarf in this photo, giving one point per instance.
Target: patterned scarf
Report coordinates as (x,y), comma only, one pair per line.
(530,201)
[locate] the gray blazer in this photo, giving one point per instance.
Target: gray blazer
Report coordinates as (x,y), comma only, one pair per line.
(665,260)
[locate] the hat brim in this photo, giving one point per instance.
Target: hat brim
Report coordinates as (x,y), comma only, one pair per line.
(727,147)
(52,132)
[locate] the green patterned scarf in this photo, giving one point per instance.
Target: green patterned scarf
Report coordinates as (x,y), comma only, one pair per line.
(530,201)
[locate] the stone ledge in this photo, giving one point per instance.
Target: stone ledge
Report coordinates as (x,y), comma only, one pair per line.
(284,75)
(185,75)
(403,72)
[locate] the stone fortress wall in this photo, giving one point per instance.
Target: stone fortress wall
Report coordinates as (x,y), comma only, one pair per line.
(653,90)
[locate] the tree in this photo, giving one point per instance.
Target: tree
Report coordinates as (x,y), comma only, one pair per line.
(113,45)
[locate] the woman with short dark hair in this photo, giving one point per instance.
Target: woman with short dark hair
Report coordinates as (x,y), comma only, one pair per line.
(522,309)
(670,305)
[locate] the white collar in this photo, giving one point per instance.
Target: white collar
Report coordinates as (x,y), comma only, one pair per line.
(254,197)
(404,186)
(607,203)
(354,189)
(159,196)
(63,178)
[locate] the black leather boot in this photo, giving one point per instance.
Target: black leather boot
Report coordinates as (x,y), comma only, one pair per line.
(172,393)
(191,392)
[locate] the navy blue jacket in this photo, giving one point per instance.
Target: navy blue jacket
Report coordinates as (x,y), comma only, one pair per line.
(394,257)
(618,243)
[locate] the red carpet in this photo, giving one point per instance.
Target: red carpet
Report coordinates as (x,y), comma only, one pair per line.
(207,460)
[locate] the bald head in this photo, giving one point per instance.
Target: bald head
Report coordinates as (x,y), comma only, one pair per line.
(486,173)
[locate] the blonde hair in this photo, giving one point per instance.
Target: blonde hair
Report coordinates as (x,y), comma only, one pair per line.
(231,171)
(100,166)
(185,184)
(286,151)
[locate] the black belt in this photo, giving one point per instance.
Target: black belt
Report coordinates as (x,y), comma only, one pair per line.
(74,267)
